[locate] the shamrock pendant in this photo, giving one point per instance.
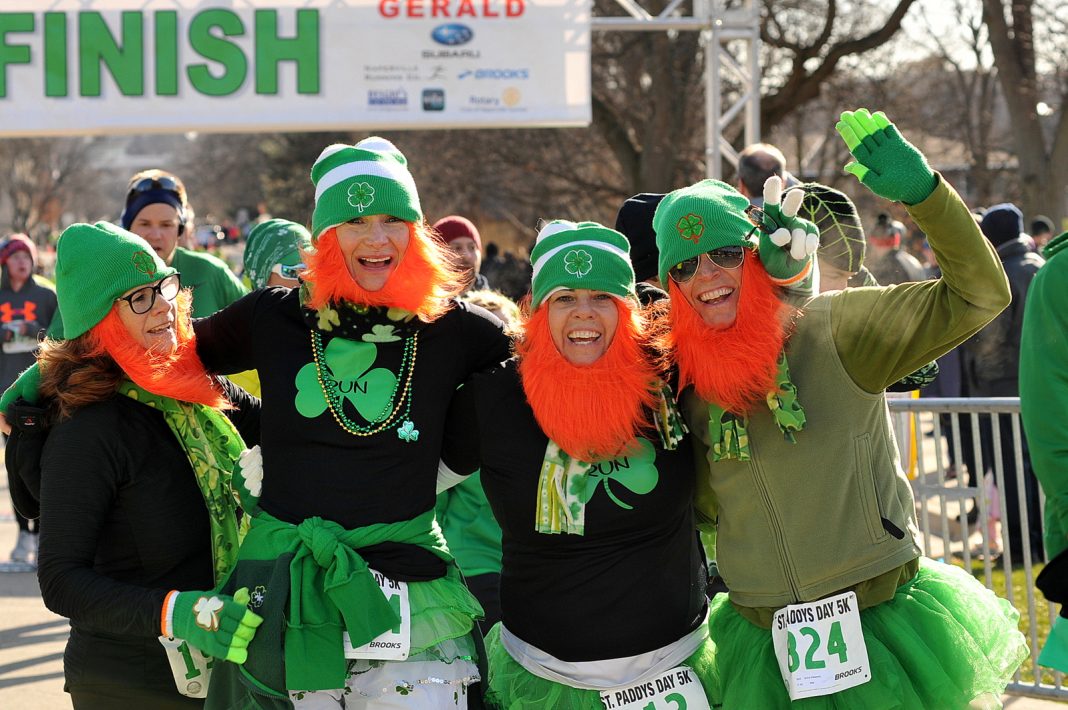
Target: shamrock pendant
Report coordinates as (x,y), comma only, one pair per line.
(407,431)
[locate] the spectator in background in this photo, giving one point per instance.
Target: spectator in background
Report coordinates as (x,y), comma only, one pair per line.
(889,263)
(26,310)
(990,366)
(462,237)
(157,209)
(1041,231)
(635,222)
(756,163)
(273,253)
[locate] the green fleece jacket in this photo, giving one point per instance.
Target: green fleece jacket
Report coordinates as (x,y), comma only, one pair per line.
(798,522)
(1044,387)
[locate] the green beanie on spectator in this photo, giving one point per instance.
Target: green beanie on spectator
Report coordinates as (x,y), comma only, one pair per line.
(272,242)
(580,255)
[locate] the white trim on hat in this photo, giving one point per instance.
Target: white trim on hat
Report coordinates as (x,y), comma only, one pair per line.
(378,144)
(330,150)
(397,173)
(603,246)
(555,227)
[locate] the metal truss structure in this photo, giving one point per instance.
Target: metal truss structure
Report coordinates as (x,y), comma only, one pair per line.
(719,25)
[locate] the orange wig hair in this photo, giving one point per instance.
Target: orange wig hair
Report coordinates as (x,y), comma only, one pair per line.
(424,281)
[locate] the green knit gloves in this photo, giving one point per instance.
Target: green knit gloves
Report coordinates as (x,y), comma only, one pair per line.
(218,624)
(787,242)
(888,164)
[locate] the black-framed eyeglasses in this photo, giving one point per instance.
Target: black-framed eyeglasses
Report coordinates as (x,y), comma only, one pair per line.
(142,300)
(289,271)
(163,182)
(729,257)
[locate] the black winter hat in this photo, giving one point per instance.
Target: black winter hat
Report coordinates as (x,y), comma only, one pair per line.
(635,222)
(1002,223)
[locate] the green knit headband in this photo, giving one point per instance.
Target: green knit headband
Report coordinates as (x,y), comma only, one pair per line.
(368,178)
(274,241)
(95,264)
(697,219)
(580,255)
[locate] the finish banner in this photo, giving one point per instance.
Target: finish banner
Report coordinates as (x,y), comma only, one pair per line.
(125,66)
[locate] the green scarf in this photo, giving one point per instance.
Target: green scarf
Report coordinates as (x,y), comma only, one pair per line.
(727,432)
(213,446)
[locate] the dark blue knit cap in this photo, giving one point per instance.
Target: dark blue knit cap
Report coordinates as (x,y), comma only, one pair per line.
(141,200)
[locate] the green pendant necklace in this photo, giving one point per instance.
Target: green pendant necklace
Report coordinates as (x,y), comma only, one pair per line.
(390,414)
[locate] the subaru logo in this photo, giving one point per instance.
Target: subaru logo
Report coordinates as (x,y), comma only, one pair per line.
(452,34)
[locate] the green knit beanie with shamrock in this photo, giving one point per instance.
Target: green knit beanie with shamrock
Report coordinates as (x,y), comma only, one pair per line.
(697,219)
(580,255)
(272,242)
(368,178)
(95,264)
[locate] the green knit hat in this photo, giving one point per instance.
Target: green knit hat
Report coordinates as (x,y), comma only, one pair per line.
(368,178)
(95,264)
(697,219)
(580,255)
(274,241)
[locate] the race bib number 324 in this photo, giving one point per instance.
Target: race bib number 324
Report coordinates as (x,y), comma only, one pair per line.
(820,646)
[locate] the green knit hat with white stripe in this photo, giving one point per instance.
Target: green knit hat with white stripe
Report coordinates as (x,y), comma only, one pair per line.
(580,255)
(697,219)
(368,178)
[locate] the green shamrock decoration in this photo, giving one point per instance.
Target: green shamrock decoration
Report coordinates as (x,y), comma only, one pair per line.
(361,195)
(346,371)
(408,432)
(328,318)
(144,263)
(381,334)
(578,262)
(637,473)
(690,227)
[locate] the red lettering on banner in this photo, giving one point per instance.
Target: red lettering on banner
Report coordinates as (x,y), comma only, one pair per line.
(438,9)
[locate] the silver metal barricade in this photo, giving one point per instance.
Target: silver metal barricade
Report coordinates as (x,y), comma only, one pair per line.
(941,498)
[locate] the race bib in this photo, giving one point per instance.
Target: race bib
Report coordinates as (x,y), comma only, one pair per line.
(677,689)
(190,667)
(820,646)
(393,644)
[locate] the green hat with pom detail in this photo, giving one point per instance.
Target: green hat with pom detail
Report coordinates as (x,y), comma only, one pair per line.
(580,255)
(697,219)
(95,264)
(369,178)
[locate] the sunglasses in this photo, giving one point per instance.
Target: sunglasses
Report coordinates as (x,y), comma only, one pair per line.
(725,258)
(142,300)
(287,271)
(157,183)
(759,219)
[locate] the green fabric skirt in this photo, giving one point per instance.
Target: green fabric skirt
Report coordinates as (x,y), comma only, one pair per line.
(942,641)
(512,687)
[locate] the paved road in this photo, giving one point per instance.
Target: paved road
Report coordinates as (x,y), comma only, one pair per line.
(32,638)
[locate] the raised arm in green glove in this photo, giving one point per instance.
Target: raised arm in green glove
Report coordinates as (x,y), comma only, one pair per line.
(218,624)
(787,242)
(888,164)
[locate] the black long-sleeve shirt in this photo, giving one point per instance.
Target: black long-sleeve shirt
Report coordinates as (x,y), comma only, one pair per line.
(122,518)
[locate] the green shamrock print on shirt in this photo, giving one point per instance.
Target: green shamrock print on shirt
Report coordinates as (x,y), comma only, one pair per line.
(637,473)
(578,262)
(346,371)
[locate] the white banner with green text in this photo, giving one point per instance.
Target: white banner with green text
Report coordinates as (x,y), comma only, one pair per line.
(122,66)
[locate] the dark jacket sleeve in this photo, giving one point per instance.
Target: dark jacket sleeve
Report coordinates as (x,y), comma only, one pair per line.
(460,447)
(484,337)
(246,413)
(81,474)
(224,339)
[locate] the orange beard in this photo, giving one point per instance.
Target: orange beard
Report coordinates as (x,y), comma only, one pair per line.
(734,368)
(179,375)
(593,413)
(424,280)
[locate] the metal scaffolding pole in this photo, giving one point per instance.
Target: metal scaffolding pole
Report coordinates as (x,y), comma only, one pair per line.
(718,26)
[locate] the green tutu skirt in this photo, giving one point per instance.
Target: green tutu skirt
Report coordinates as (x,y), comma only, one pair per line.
(942,641)
(512,687)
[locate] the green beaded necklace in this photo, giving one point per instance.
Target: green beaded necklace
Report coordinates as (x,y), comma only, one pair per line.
(391,412)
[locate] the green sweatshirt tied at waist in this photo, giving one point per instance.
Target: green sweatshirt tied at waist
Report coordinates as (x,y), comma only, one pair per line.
(331,588)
